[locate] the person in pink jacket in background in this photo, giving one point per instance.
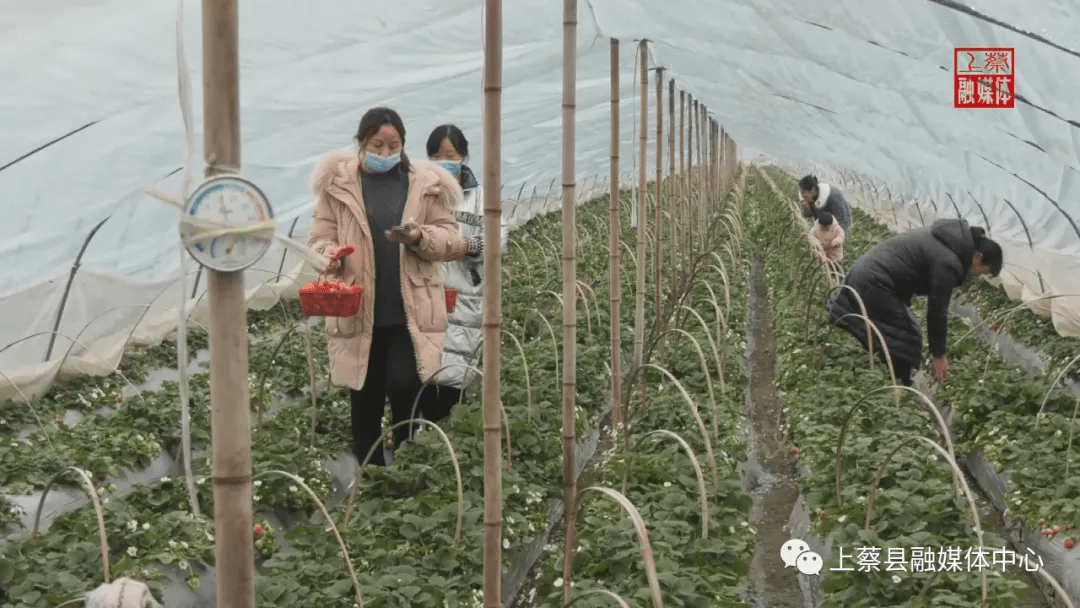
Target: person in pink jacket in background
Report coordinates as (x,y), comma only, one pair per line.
(827,238)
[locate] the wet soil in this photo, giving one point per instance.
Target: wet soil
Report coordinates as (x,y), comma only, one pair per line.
(773,482)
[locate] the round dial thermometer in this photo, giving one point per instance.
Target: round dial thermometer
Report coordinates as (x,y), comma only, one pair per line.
(236,202)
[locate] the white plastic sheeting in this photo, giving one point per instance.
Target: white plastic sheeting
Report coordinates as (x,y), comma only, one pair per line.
(850,86)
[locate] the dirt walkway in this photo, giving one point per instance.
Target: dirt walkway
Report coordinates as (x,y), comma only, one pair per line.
(771,464)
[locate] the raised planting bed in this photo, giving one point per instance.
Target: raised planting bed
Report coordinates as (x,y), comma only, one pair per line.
(401,533)
(1050,352)
(1007,365)
(1026,462)
(698,562)
(827,385)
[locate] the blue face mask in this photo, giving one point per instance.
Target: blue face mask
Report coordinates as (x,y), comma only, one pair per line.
(381,164)
(452,166)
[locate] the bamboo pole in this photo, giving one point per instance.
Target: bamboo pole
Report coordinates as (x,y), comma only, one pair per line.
(691,109)
(569,268)
(701,168)
(643,141)
(706,142)
(722,160)
(713,169)
(617,412)
(657,259)
(672,201)
(723,157)
(691,106)
(684,180)
(719,152)
(682,132)
(230,430)
(702,175)
(712,157)
(703,151)
(492,108)
(710,153)
(703,142)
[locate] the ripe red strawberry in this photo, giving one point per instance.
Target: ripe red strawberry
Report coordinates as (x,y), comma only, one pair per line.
(342,252)
(1042,522)
(795,451)
(258,531)
(1069,544)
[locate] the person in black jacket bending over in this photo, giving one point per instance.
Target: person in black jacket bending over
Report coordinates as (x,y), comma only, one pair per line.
(819,196)
(925,262)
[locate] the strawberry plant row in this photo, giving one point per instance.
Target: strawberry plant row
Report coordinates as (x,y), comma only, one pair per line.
(660,479)
(1015,426)
(400,534)
(118,430)
(827,385)
(998,313)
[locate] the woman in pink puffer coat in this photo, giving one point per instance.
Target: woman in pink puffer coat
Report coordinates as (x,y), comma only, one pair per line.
(393,345)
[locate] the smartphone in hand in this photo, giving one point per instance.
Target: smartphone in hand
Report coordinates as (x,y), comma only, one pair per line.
(400,229)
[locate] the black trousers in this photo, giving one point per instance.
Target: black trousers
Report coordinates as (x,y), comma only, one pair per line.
(392,375)
(438,400)
(901,368)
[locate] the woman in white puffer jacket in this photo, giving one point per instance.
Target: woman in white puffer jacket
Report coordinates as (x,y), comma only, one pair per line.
(448,147)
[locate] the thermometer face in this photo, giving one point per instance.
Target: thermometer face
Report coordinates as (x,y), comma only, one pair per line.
(236,201)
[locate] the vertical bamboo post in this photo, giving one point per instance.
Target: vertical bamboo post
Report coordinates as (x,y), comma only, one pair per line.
(719,153)
(684,180)
(691,182)
(230,429)
(727,161)
(713,156)
(703,143)
(569,272)
(617,413)
(720,158)
(643,142)
(682,132)
(691,106)
(492,108)
(672,202)
(706,141)
(695,128)
(657,259)
(710,143)
(723,160)
(704,175)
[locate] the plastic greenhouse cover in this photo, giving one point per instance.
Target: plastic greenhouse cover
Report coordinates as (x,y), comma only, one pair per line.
(89,117)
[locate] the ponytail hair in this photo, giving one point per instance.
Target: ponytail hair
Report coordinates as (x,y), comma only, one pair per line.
(808,183)
(988,249)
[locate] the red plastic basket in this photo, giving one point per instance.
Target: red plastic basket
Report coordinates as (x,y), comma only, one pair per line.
(318,303)
(451,299)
